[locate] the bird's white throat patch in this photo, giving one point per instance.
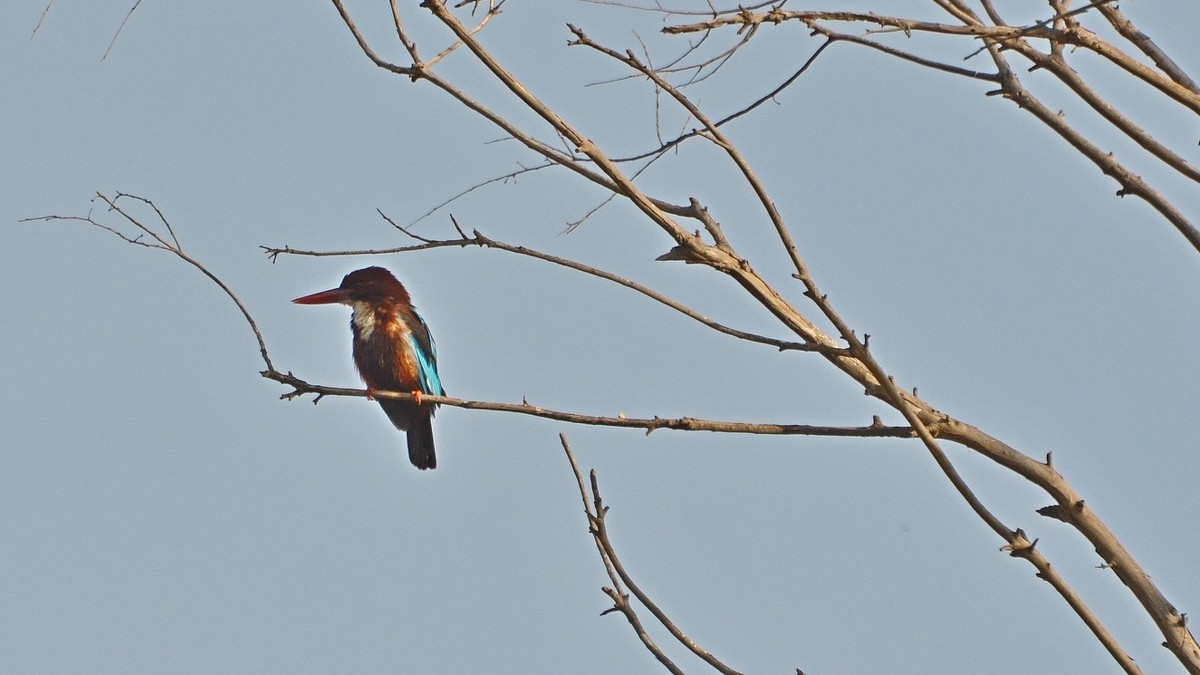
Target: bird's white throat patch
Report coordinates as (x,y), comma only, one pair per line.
(364,319)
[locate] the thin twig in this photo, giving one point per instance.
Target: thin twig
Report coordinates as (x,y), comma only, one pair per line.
(597,514)
(487,17)
(769,96)
(478,239)
(41,18)
(158,241)
(119,28)
(616,592)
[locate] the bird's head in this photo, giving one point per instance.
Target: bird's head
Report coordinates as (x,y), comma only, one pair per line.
(370,285)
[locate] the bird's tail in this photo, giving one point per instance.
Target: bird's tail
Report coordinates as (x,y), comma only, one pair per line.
(420,441)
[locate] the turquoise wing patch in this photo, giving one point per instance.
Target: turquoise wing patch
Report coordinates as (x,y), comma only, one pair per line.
(427,366)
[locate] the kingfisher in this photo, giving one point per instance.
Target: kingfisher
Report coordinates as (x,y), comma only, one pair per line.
(393,350)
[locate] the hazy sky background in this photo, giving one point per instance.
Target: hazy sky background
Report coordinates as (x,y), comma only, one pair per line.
(163,511)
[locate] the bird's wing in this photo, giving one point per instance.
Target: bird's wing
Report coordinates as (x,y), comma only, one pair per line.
(423,346)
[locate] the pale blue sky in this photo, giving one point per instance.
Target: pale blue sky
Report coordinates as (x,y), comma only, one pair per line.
(163,511)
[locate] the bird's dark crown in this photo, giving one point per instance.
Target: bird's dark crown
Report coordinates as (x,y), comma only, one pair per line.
(373,284)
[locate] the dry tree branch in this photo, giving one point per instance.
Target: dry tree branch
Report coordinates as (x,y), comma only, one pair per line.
(478,239)
(711,131)
(487,17)
(857,362)
(658,8)
(1143,42)
(162,243)
(597,513)
(1056,65)
(119,28)
(744,20)
(402,34)
(41,19)
(418,71)
(649,162)
(510,176)
(1015,539)
(1176,85)
(932,64)
(581,155)
(667,145)
(862,368)
(1173,625)
(150,237)
(613,179)
(713,63)
(719,257)
(874,430)
(1170,622)
(1131,183)
(616,592)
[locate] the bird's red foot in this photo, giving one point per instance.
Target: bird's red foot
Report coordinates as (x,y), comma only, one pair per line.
(416,394)
(370,393)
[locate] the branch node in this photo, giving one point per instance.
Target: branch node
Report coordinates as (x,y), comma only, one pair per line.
(1054,511)
(1018,545)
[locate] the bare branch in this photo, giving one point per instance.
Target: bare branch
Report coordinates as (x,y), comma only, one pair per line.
(597,513)
(1131,183)
(859,365)
(414,72)
(478,239)
(160,242)
(493,11)
(512,175)
(402,34)
(874,430)
(667,145)
(41,19)
(905,56)
(1015,38)
(119,28)
(1143,42)
(569,148)
(617,591)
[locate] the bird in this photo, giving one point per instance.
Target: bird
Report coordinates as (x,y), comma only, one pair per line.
(393,350)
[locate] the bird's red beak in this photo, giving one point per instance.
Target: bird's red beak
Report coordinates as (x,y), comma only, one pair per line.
(323,298)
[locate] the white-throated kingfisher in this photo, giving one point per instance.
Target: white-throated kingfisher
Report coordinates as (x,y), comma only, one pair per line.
(393,350)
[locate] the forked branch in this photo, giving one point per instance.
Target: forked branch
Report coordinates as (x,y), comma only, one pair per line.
(1061,32)
(597,514)
(857,361)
